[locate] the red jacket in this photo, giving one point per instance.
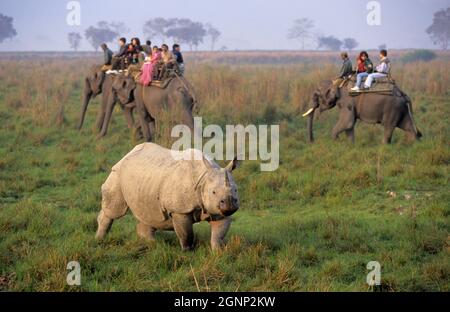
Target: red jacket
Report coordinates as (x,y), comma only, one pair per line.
(361,66)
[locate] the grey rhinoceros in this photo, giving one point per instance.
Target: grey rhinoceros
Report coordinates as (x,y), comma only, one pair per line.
(170,190)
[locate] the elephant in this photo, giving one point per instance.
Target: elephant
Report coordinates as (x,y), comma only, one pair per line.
(391,111)
(110,97)
(93,84)
(178,96)
(170,190)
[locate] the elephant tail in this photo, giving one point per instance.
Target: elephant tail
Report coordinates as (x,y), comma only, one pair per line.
(410,113)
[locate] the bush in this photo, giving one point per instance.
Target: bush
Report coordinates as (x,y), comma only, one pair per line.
(419,55)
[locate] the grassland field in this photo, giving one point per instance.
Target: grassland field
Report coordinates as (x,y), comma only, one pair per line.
(311,225)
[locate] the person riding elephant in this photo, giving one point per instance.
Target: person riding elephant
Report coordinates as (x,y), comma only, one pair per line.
(118,60)
(365,67)
(381,71)
(107,54)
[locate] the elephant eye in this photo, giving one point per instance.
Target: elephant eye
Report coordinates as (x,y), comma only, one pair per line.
(214,192)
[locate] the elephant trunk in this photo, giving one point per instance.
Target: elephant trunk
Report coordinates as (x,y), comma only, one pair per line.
(310,114)
(86,98)
(310,126)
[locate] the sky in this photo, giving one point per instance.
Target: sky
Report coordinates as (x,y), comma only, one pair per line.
(245,24)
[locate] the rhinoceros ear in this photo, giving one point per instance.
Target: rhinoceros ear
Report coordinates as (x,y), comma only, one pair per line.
(233,164)
(207,162)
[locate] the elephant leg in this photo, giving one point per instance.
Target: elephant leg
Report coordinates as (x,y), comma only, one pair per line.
(128,114)
(388,131)
(346,121)
(146,231)
(108,113)
(143,116)
(337,130)
(390,122)
(351,134)
(218,231)
(113,204)
(152,128)
(183,225)
(100,117)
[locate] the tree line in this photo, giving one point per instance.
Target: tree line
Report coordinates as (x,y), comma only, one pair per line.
(180,30)
(302,30)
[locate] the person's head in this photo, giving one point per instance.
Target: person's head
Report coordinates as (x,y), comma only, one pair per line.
(165,47)
(149,43)
(135,42)
(122,41)
(344,55)
(155,48)
(104,46)
(176,47)
(383,53)
(363,55)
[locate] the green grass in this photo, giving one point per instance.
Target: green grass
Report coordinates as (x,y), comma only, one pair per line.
(312,225)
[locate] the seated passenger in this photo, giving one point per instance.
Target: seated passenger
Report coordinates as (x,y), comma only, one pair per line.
(118,60)
(150,66)
(147,47)
(166,55)
(346,69)
(365,67)
(134,50)
(178,57)
(107,53)
(381,71)
(168,60)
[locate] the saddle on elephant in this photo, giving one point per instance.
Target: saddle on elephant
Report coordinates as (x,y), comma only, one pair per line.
(384,85)
(162,84)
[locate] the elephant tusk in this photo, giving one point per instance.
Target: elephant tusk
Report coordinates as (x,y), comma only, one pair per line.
(308,112)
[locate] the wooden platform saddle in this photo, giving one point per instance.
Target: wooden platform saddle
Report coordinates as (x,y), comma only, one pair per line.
(136,75)
(383,85)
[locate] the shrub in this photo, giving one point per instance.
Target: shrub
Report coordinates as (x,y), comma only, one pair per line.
(419,55)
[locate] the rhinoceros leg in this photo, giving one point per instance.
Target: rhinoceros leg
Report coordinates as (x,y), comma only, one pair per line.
(113,205)
(218,231)
(104,225)
(145,231)
(183,225)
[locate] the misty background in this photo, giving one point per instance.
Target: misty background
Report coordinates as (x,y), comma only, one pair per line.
(244,25)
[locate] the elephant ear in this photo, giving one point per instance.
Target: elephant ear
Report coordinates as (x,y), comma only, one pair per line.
(332,94)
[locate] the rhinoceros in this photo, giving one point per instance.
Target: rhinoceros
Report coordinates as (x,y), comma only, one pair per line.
(170,190)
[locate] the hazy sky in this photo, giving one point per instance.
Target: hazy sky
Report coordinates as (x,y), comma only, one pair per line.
(245,24)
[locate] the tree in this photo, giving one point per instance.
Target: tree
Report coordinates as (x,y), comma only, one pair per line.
(382,46)
(7,30)
(157,28)
(103,32)
(439,31)
(349,43)
(184,30)
(301,30)
(74,40)
(213,34)
(329,42)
